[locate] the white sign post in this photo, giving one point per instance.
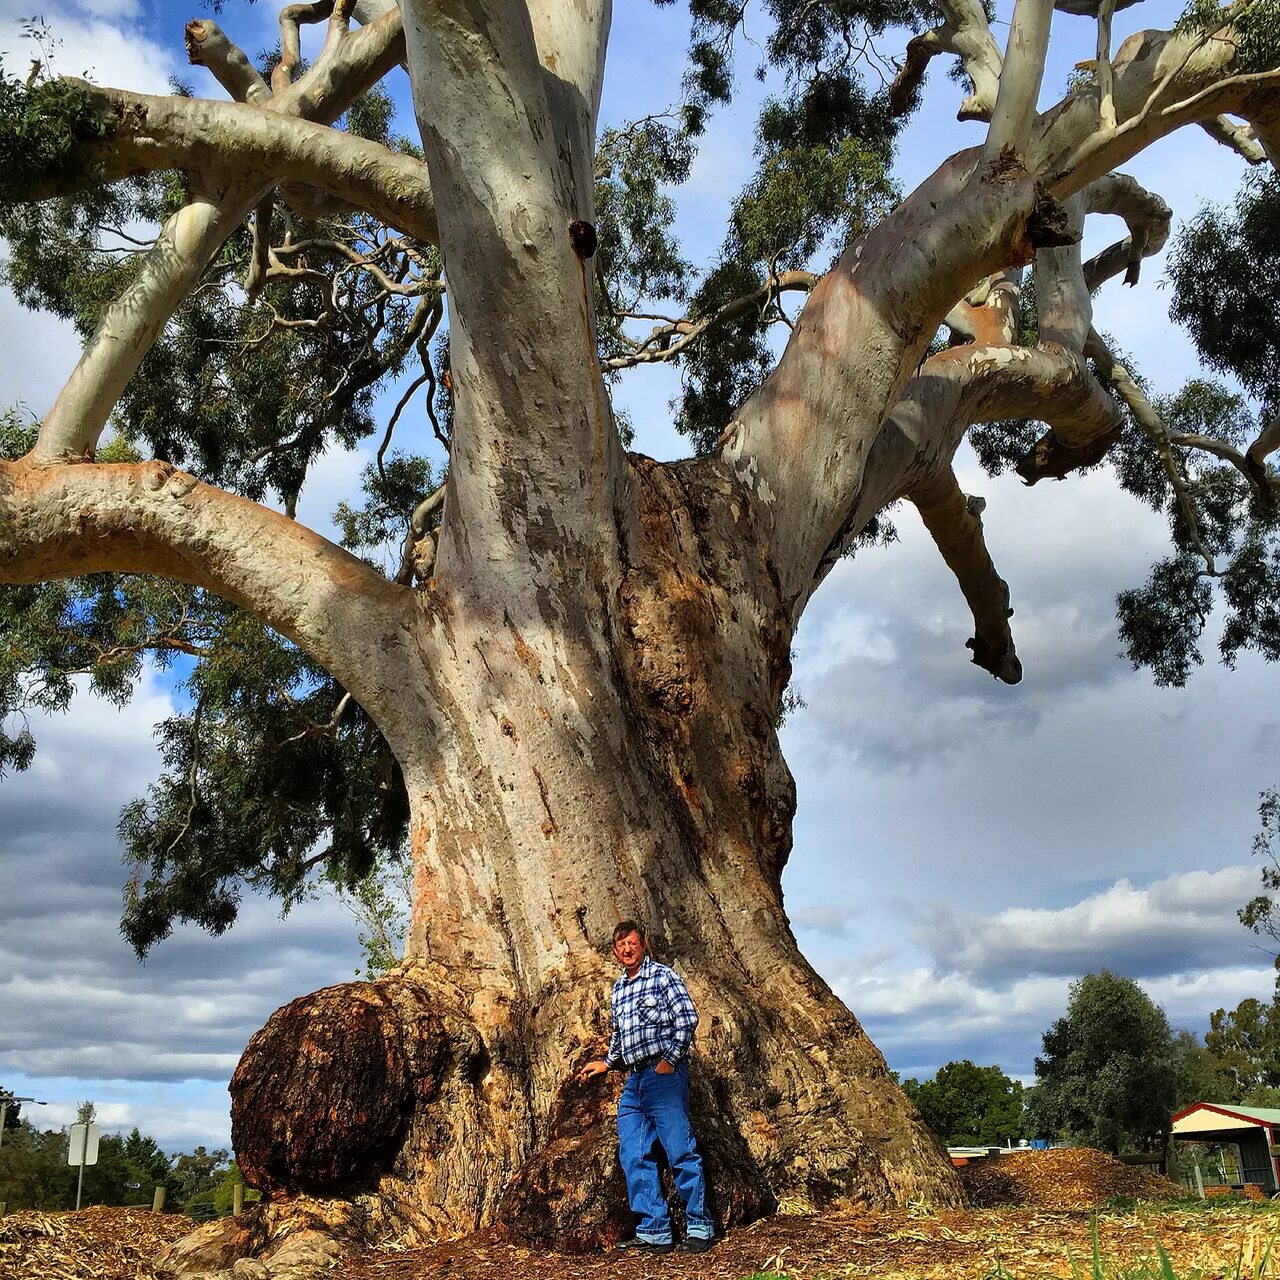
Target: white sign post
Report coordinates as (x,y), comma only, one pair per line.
(82,1149)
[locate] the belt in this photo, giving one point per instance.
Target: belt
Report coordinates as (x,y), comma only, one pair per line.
(645,1062)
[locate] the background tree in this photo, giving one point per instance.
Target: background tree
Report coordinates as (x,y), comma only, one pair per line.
(1201,1074)
(34,1173)
(1107,1076)
(967,1105)
(1245,1041)
(557,674)
(13,1110)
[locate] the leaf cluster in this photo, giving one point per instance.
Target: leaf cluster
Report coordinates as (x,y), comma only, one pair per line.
(271,772)
(48,129)
(1254,24)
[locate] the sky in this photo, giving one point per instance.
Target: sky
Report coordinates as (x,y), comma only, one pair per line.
(963,850)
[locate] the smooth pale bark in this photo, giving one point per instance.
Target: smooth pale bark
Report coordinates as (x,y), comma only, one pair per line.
(1020,79)
(130,326)
(64,521)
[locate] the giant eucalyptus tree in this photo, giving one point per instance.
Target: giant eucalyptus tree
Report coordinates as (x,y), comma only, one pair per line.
(563,690)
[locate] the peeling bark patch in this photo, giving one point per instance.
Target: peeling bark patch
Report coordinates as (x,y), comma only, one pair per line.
(1050,225)
(528,659)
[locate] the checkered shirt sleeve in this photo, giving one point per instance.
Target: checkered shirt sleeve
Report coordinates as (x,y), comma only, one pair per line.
(653,1017)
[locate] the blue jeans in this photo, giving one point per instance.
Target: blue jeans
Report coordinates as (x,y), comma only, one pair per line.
(654,1108)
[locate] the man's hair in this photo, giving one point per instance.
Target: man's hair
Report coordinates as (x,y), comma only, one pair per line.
(624,927)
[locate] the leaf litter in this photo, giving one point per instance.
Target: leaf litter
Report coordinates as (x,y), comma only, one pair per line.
(1025,1241)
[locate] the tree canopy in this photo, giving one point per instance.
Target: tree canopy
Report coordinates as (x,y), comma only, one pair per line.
(968,1105)
(280,342)
(1107,1075)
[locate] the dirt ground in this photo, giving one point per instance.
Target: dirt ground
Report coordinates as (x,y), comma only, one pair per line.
(1030,1244)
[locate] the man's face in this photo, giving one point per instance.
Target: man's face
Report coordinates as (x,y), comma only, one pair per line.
(629,950)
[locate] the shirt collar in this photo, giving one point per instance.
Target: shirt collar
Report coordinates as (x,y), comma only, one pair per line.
(646,967)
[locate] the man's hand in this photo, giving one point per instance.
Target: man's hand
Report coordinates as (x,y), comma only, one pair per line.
(664,1068)
(596,1068)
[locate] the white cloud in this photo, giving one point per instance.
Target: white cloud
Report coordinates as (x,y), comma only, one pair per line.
(1186,921)
(155,1043)
(92,40)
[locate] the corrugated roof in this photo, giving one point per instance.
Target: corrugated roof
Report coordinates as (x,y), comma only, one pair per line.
(1264,1115)
(1268,1115)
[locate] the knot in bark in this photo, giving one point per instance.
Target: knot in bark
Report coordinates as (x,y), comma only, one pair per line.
(582,235)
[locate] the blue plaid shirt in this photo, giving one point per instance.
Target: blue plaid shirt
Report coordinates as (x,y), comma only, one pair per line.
(653,1017)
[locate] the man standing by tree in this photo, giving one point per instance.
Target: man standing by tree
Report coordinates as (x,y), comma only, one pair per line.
(653,1022)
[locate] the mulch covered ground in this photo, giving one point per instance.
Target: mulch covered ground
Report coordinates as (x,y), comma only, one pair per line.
(1069,1178)
(1031,1242)
(98,1243)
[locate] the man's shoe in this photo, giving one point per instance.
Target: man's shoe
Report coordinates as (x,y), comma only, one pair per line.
(634,1244)
(697,1244)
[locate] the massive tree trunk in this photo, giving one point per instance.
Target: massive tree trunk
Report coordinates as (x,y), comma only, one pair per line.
(611,753)
(583,699)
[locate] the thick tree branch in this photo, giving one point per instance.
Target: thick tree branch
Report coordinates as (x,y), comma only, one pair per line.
(954,522)
(508,145)
(208,46)
(1239,137)
(129,327)
(190,239)
(1147,217)
(1063,307)
(1102,65)
(1163,81)
(1020,79)
(226,144)
(802,442)
(988,315)
(64,521)
(966,34)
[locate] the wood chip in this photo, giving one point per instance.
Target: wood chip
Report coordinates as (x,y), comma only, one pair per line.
(1065,1178)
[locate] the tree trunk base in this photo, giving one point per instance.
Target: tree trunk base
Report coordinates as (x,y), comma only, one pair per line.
(396,1110)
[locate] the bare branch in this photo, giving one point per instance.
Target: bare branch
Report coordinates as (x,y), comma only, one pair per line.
(260,252)
(671,337)
(966,34)
(1239,137)
(954,522)
(1020,78)
(292,17)
(1144,413)
(208,46)
(1148,219)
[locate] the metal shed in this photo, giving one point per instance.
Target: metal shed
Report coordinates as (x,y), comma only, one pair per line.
(1251,1130)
